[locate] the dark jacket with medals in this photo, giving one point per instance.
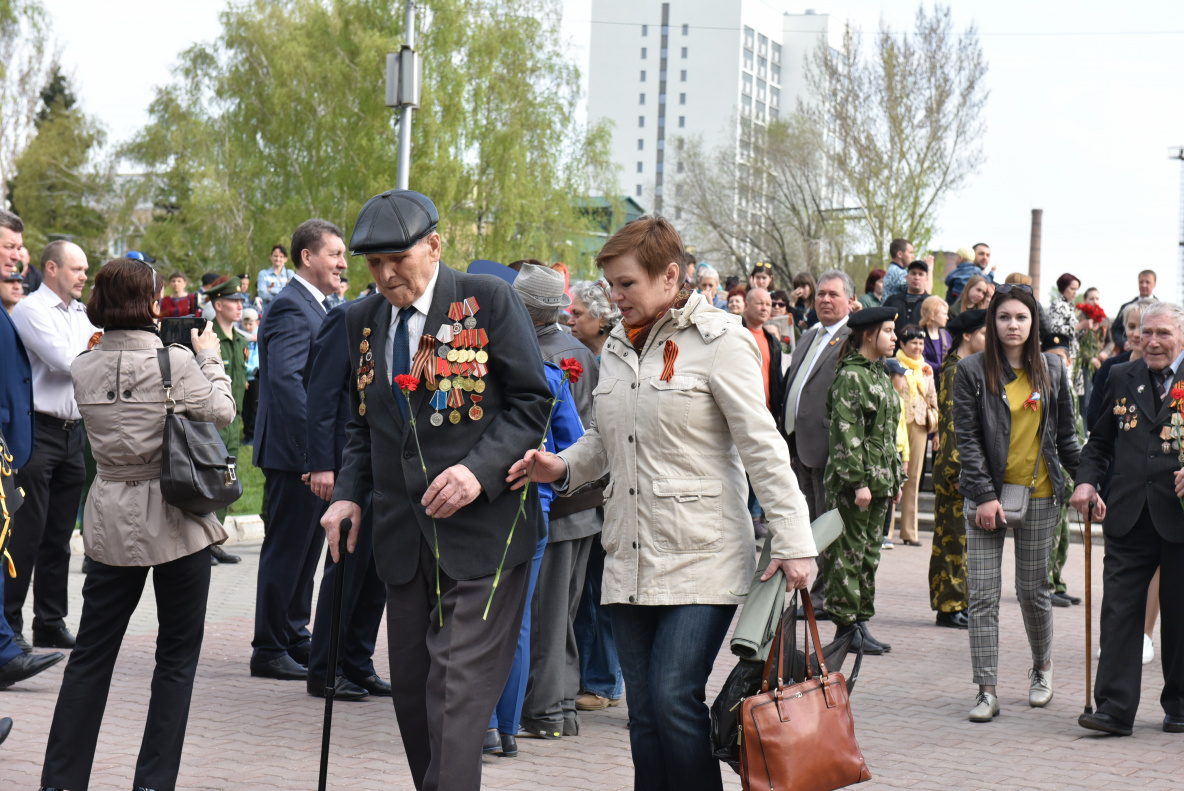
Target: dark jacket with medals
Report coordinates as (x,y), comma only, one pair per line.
(381,456)
(1133,436)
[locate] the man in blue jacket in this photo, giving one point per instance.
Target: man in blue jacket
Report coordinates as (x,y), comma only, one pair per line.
(293,539)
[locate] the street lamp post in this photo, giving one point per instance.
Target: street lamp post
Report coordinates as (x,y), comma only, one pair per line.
(404,71)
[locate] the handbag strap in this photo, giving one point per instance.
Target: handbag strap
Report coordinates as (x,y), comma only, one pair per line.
(166,377)
(779,648)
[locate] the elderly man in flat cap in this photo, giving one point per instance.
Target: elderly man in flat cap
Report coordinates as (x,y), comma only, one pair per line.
(480,401)
(550,705)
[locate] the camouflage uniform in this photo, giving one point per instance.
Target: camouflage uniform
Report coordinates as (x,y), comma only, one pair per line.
(947,565)
(864,409)
(234,358)
(1060,546)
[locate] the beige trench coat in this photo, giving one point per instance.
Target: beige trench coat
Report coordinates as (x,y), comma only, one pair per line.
(119,390)
(676,524)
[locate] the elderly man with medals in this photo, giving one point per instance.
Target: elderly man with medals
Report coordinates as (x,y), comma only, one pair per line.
(434,456)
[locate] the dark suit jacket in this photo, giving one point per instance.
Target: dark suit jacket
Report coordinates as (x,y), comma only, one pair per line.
(285,353)
(328,382)
(381,456)
(1143,473)
(812,429)
(16,393)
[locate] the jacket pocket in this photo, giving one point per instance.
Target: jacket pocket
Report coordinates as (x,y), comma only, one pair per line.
(687,515)
(678,411)
(610,532)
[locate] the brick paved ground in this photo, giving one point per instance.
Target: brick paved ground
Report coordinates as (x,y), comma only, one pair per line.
(910,709)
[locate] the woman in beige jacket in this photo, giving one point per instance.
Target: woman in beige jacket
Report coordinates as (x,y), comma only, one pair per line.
(679,417)
(129,528)
(919,398)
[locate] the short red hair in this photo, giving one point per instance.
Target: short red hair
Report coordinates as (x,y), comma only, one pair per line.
(652,240)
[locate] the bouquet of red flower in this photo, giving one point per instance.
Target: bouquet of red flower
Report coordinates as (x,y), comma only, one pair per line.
(1092,312)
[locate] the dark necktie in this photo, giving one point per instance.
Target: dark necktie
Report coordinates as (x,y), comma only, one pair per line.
(401,356)
(1161,383)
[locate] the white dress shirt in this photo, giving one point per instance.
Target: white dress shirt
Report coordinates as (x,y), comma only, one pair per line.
(827,337)
(54,333)
(415,324)
(316,292)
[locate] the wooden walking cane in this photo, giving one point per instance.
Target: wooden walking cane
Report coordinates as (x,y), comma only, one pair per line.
(1086,536)
(334,639)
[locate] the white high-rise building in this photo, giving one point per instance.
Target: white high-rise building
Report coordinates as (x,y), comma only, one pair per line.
(661,71)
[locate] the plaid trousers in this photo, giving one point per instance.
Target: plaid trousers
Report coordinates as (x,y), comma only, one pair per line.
(984,558)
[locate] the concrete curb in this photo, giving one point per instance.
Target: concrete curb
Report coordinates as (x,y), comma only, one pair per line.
(240,529)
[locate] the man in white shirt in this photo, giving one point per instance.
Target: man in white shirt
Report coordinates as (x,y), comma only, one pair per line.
(53,325)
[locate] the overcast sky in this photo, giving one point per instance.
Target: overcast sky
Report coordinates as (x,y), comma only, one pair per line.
(1083,113)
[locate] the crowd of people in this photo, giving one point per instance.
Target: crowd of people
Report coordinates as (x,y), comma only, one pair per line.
(555,490)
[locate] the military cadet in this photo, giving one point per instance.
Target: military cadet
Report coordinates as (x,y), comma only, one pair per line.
(948,594)
(1059,596)
(864,474)
(228,302)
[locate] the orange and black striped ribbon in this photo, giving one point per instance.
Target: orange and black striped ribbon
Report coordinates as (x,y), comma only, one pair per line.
(421,365)
(669,355)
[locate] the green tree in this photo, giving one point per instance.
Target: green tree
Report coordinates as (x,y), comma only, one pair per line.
(282,118)
(904,127)
(27,60)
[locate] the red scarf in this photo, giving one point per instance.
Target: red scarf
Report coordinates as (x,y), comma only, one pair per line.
(639,334)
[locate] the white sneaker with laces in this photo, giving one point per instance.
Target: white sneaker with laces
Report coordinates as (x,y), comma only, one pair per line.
(1148,649)
(1040,691)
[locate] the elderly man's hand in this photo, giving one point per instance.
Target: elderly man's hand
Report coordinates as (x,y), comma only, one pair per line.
(453,489)
(797,571)
(331,522)
(1085,493)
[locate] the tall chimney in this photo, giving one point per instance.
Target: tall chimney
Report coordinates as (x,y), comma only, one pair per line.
(1034,252)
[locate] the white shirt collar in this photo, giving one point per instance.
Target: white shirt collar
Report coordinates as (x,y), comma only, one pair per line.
(47,295)
(316,292)
(424,303)
(838,325)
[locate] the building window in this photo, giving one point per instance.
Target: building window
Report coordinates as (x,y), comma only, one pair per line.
(643,75)
(776,53)
(686,29)
(642,99)
(639,190)
(661,145)
(682,76)
(749,34)
(746,105)
(663,55)
(678,190)
(773,114)
(640,166)
(643,53)
(774,97)
(678,145)
(640,121)
(760,111)
(665,30)
(645,30)
(764,44)
(748,59)
(660,168)
(682,122)
(641,144)
(677,212)
(684,53)
(746,85)
(761,86)
(775,73)
(661,98)
(661,121)
(680,167)
(662,76)
(682,98)
(762,67)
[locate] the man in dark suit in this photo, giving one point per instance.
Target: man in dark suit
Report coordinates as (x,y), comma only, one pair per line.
(1144,525)
(292,543)
(16,374)
(364,594)
(449,662)
(804,419)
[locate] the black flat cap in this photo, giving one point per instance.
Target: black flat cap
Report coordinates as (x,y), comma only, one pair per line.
(1054,340)
(870,316)
(393,222)
(967,321)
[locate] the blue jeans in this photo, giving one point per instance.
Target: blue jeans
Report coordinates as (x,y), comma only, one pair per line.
(667,654)
(600,670)
(508,713)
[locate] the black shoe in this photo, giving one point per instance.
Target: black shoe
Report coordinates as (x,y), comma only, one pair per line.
(1072,599)
(53,638)
(868,640)
(301,653)
(1173,724)
(819,614)
(344,689)
(858,640)
(492,743)
(22,643)
(5,728)
(283,668)
(222,556)
(1105,723)
(509,745)
(1059,600)
(214,561)
(954,620)
(26,666)
(374,685)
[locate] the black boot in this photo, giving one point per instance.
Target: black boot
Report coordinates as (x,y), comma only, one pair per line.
(869,641)
(857,640)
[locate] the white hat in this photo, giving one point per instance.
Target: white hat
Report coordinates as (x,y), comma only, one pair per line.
(541,287)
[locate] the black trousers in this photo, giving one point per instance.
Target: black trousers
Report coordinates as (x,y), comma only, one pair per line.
(447,680)
(1129,565)
(41,529)
(109,597)
(810,480)
(362,602)
(287,562)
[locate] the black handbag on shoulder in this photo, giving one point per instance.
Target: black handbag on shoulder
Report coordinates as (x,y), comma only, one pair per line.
(196,473)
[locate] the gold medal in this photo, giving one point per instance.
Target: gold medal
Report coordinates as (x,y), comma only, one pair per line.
(454,416)
(482,356)
(479,386)
(362,409)
(366,332)
(476,413)
(445,385)
(364,347)
(467,384)
(453,355)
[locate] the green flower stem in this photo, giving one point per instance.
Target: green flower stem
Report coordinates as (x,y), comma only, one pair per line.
(435,538)
(497,577)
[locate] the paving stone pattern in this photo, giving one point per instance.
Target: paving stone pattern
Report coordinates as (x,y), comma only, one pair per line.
(910,710)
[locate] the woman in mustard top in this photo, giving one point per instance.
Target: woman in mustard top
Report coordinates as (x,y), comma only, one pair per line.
(1013,416)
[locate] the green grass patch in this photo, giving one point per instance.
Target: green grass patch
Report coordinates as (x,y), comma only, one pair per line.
(251,503)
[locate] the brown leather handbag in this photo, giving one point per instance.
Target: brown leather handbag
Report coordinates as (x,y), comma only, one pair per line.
(800,737)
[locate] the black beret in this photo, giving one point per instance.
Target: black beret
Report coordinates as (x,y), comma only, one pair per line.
(871,316)
(967,321)
(393,222)
(1054,340)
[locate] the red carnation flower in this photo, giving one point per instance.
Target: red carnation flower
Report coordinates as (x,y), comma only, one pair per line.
(571,366)
(1178,392)
(407,383)
(1091,311)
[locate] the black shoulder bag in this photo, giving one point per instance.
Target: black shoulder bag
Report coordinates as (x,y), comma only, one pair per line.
(196,473)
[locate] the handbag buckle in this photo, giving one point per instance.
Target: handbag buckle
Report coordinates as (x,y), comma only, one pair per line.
(168,398)
(231,471)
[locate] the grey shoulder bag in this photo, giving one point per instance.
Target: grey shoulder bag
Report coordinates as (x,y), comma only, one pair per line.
(196,472)
(1015,496)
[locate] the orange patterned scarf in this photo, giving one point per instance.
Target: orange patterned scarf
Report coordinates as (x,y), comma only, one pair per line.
(639,334)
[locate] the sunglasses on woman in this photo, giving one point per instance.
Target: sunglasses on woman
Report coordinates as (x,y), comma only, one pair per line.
(1006,287)
(779,305)
(913,335)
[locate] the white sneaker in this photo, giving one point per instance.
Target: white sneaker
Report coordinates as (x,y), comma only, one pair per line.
(1040,691)
(1148,649)
(886,545)
(986,708)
